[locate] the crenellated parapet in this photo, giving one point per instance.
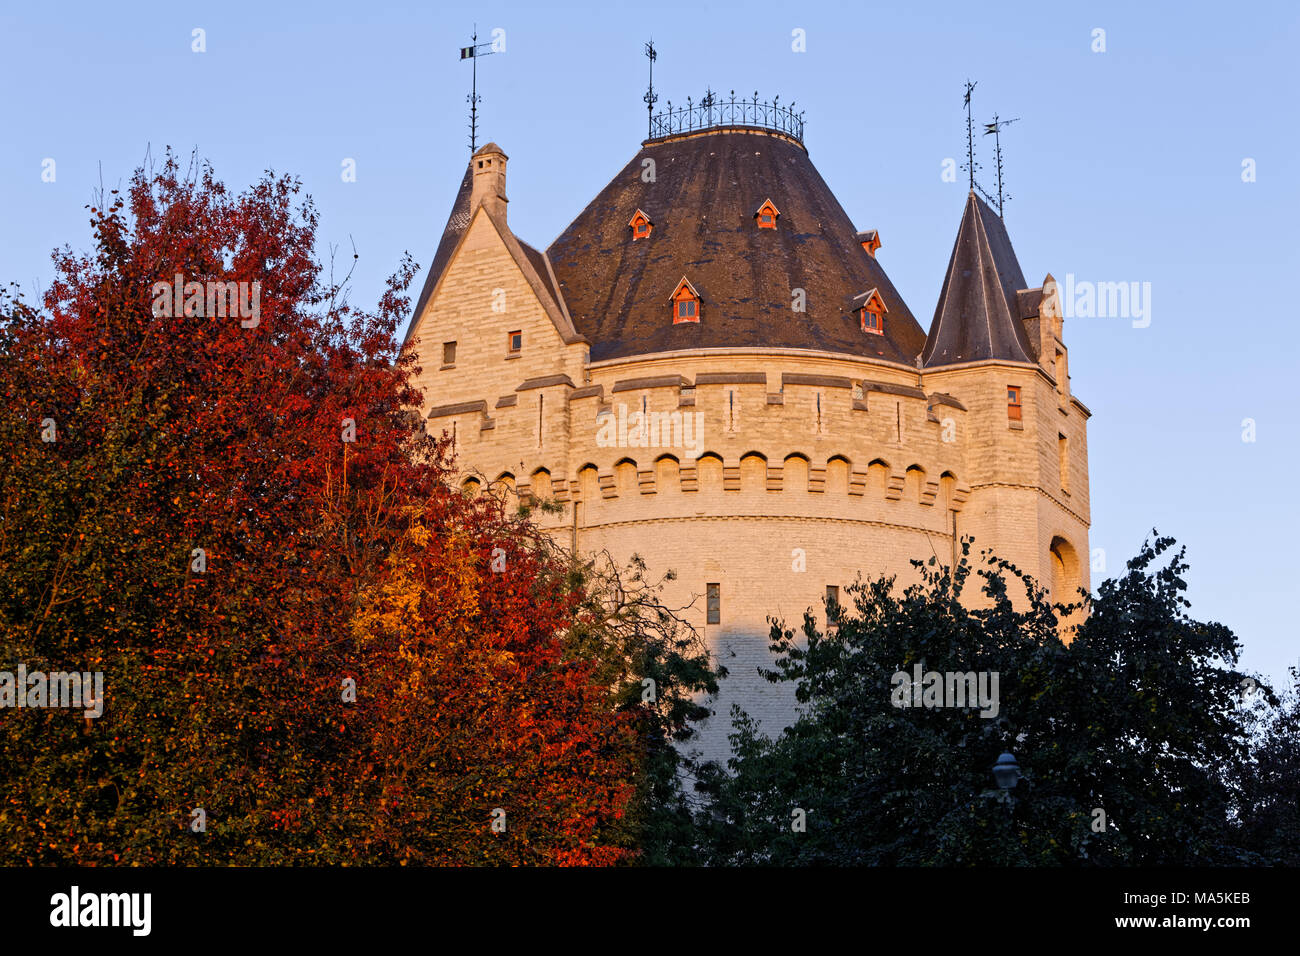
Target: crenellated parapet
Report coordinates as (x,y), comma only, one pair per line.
(845,444)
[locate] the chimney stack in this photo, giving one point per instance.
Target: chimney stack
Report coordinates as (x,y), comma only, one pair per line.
(489,187)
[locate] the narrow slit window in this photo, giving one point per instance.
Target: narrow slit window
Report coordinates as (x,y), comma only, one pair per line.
(832,603)
(1063,452)
(713,603)
(1013,403)
(515,342)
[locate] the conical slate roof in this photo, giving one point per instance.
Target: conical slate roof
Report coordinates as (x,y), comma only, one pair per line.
(702,199)
(978,316)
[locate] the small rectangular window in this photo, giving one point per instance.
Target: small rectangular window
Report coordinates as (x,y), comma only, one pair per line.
(1013,403)
(448,353)
(686,309)
(832,603)
(516,342)
(713,604)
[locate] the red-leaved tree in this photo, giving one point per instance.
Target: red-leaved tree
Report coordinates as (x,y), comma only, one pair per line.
(224,503)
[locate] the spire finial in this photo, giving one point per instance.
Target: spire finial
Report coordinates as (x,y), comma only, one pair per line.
(650,97)
(970,135)
(995,128)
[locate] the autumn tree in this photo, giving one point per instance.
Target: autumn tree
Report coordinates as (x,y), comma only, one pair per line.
(232,513)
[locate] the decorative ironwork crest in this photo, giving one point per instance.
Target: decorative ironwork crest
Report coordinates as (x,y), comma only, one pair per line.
(714,111)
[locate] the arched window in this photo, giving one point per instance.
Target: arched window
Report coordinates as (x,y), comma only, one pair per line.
(837,475)
(686,303)
(1064,571)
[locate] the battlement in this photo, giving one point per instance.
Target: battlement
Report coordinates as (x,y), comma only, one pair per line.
(643,431)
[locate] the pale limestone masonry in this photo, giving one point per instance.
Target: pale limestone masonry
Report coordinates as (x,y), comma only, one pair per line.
(813,468)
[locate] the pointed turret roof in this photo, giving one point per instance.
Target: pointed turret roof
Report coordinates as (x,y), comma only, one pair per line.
(978,316)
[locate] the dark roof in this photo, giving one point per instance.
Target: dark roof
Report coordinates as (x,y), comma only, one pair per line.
(457,223)
(978,315)
(538,262)
(707,186)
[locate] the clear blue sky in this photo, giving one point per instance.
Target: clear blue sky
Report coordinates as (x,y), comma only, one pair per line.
(1125,166)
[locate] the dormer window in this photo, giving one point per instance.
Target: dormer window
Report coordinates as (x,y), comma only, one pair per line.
(686,303)
(640,225)
(870,242)
(767,215)
(871,312)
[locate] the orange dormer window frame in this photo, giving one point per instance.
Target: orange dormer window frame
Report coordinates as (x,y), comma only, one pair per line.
(870,242)
(767,215)
(640,225)
(685,302)
(872,313)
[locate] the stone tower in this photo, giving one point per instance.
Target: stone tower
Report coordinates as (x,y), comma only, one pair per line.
(710,367)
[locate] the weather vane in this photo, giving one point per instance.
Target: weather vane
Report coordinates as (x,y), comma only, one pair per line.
(971,165)
(651,97)
(995,128)
(473,52)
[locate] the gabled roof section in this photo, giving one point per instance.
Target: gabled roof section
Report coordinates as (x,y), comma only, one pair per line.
(704,196)
(690,288)
(534,265)
(536,268)
(768,206)
(868,299)
(978,315)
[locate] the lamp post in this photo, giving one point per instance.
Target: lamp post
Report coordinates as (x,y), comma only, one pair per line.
(1006,771)
(1007,774)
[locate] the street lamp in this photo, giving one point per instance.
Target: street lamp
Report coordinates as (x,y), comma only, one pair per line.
(1006,772)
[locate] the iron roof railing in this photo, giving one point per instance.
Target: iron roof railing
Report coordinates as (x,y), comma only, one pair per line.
(713,111)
